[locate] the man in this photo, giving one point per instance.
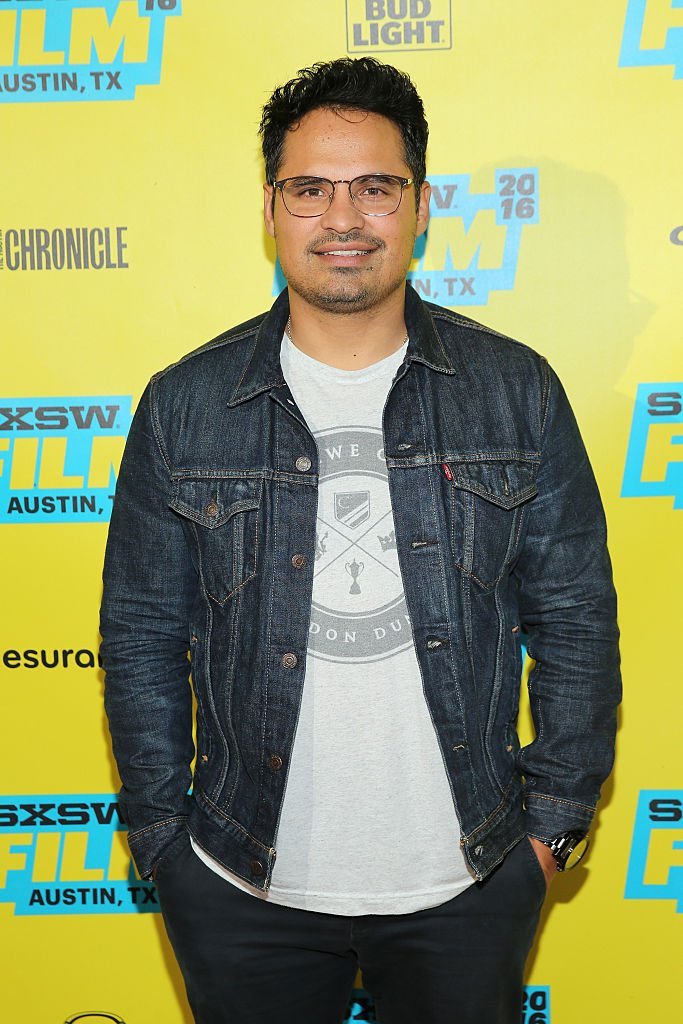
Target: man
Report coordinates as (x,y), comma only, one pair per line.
(345,511)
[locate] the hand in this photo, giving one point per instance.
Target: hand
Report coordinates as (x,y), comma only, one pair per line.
(545,858)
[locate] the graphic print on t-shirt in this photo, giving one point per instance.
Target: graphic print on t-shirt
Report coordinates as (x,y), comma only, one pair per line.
(359,612)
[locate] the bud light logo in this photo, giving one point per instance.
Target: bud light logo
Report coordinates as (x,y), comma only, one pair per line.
(655,867)
(654,460)
(393,25)
(653,35)
(81,49)
(59,457)
(67,854)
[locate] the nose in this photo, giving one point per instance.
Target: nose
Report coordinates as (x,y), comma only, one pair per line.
(341,215)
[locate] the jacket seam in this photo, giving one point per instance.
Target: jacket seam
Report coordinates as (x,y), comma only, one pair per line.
(157,824)
(234,823)
(156,426)
(532,795)
(495,813)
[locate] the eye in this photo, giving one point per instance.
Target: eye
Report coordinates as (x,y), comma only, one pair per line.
(305,188)
(376,186)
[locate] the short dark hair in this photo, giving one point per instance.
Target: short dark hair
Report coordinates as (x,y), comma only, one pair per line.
(362,83)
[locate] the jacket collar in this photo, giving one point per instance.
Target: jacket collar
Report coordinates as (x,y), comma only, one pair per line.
(263,370)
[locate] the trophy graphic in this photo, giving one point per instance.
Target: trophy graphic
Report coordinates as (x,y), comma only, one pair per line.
(354,570)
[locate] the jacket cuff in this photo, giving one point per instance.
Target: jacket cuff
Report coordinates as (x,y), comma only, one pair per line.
(147,845)
(549,816)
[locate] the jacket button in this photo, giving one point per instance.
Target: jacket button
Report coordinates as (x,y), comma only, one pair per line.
(289,660)
(298,561)
(211,509)
(275,762)
(303,463)
(256,867)
(478,850)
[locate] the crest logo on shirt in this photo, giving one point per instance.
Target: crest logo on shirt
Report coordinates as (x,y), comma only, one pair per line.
(352,508)
(362,616)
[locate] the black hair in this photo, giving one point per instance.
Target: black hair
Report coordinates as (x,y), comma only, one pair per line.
(362,83)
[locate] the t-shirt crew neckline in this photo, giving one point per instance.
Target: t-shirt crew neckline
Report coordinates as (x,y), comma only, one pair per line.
(335,373)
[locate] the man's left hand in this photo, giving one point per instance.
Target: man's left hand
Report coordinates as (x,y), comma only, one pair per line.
(546,859)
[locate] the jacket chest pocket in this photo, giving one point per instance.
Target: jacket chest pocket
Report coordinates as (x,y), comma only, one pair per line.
(222,514)
(487,510)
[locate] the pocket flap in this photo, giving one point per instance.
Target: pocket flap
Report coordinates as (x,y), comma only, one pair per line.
(503,482)
(211,502)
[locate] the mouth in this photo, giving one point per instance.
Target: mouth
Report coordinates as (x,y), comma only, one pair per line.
(355,255)
(343,252)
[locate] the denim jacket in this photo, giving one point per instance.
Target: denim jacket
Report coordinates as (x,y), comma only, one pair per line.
(209,566)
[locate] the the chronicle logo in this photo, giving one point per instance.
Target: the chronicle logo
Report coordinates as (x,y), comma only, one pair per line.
(472,245)
(654,460)
(653,35)
(391,25)
(655,868)
(59,457)
(81,49)
(65,248)
(67,854)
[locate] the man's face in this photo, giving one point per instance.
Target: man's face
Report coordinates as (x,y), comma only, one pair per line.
(319,255)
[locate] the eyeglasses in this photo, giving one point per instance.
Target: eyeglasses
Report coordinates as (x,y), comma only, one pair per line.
(375,195)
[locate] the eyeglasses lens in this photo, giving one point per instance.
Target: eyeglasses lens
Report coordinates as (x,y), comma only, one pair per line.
(375,195)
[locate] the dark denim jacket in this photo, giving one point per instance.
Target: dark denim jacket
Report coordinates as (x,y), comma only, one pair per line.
(499,528)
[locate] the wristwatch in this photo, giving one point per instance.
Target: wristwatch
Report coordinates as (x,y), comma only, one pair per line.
(568,849)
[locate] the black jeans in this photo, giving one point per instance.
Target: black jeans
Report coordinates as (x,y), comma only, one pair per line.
(248,961)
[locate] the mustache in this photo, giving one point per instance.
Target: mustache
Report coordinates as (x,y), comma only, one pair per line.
(354,237)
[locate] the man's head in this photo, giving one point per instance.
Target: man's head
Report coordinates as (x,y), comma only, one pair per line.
(345,248)
(362,84)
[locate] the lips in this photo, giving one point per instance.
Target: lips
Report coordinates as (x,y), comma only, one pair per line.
(347,248)
(343,252)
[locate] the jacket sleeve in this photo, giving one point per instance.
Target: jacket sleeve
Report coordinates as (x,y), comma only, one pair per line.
(145,623)
(567,608)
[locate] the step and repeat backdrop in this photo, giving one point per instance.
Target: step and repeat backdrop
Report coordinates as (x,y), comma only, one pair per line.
(130,233)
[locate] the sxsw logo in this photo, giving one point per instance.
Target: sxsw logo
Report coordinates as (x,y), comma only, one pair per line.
(80,49)
(59,457)
(655,869)
(473,241)
(535,1008)
(472,244)
(654,460)
(391,25)
(653,35)
(67,854)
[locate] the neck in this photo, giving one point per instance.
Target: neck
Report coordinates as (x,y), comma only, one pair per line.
(348,341)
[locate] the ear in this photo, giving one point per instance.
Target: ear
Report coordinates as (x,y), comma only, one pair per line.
(423,209)
(268,209)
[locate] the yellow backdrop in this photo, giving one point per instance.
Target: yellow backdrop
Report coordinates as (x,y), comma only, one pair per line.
(130,232)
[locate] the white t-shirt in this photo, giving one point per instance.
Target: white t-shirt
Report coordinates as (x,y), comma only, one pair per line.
(368,824)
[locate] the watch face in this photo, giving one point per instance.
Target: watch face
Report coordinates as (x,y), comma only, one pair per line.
(576,853)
